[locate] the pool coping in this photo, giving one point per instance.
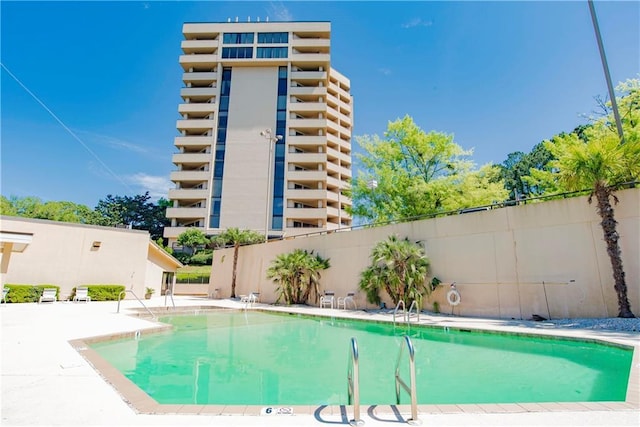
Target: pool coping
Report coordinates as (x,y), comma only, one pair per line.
(142,403)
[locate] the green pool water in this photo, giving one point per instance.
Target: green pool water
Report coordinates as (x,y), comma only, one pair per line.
(254,358)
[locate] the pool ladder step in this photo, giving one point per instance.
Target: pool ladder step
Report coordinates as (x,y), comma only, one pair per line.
(353,382)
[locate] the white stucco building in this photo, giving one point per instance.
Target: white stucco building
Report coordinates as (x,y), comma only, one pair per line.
(265,131)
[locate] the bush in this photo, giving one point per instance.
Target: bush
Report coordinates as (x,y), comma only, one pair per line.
(102,292)
(204,257)
(183,257)
(193,277)
(28,293)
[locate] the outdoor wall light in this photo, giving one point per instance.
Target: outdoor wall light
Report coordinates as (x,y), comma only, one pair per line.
(95,245)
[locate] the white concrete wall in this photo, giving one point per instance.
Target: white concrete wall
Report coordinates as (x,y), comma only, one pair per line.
(508,263)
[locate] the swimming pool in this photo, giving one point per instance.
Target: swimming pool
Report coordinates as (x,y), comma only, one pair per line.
(254,358)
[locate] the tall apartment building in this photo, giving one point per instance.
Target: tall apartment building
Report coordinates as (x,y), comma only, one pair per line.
(265,135)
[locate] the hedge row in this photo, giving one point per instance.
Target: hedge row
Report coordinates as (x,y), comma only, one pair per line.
(28,293)
(32,293)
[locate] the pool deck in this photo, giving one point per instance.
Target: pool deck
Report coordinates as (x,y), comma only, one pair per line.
(46,380)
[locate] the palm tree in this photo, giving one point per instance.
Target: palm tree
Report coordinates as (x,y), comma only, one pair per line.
(297,275)
(236,237)
(599,164)
(399,267)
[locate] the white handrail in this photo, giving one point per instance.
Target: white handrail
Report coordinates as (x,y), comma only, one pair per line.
(404,311)
(414,304)
(136,296)
(353,383)
(411,388)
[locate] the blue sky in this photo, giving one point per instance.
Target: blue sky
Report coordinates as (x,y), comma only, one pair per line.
(499,76)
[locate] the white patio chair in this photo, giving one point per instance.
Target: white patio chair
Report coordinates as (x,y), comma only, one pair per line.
(5,291)
(48,294)
(344,301)
(82,294)
(328,299)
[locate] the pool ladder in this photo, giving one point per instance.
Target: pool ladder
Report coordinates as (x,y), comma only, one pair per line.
(406,315)
(411,388)
(123,293)
(353,384)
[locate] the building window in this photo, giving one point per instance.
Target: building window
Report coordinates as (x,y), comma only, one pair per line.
(272,52)
(273,37)
(218,164)
(237,52)
(237,38)
(278,170)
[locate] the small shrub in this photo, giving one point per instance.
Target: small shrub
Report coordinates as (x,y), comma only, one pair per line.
(183,257)
(102,292)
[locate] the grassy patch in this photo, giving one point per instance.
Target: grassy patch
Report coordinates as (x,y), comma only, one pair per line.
(194,274)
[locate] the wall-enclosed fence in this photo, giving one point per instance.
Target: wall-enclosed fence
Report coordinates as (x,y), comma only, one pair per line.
(547,258)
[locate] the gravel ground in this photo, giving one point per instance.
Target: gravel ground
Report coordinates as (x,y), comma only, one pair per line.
(608,324)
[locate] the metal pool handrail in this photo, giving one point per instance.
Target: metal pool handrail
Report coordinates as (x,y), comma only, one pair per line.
(404,311)
(136,296)
(411,389)
(353,383)
(414,304)
(169,292)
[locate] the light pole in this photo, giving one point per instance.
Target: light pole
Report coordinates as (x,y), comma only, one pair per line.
(268,135)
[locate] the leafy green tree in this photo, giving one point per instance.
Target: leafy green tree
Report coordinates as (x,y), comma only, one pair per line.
(297,275)
(34,207)
(417,173)
(138,211)
(236,237)
(597,160)
(516,170)
(193,238)
(399,267)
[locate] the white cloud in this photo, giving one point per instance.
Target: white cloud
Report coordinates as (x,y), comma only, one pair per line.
(278,12)
(113,142)
(417,22)
(157,186)
(384,71)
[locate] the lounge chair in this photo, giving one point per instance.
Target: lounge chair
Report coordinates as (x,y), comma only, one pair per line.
(5,291)
(327,299)
(48,294)
(344,301)
(82,294)
(251,298)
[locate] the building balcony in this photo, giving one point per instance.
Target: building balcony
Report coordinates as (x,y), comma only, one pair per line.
(193,141)
(335,168)
(305,213)
(306,176)
(334,182)
(307,90)
(301,194)
(307,123)
(190,213)
(190,176)
(196,158)
(306,140)
(196,125)
(199,46)
(197,108)
(198,60)
(307,158)
(310,42)
(188,194)
(319,107)
(309,75)
(174,232)
(198,92)
(338,155)
(199,77)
